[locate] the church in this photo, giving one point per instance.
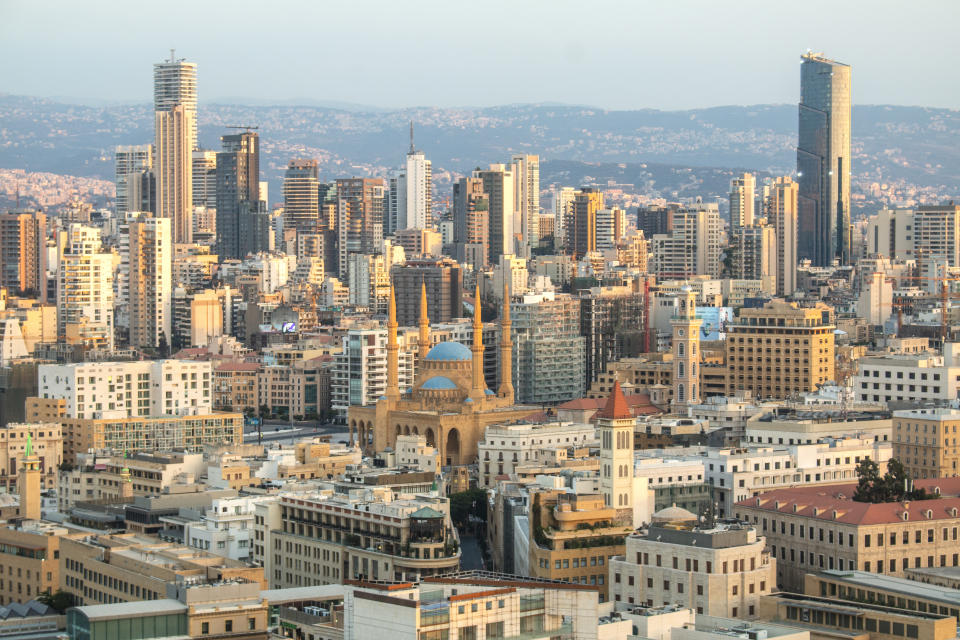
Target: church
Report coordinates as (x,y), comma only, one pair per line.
(449,403)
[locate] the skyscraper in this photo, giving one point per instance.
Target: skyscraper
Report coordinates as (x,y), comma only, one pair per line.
(85,287)
(238,194)
(823,161)
(301,195)
(204,178)
(129,162)
(526,169)
(498,185)
(582,231)
(151,291)
(359,218)
(471,208)
(175,107)
(742,190)
(415,191)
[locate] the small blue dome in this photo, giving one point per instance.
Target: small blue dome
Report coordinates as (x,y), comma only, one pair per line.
(449,351)
(489,393)
(438,383)
(468,400)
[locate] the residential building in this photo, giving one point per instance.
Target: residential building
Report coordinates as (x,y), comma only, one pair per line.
(369,281)
(824,163)
(526,169)
(811,529)
(505,447)
(359,374)
(742,189)
(471,222)
(23,253)
(781,211)
(582,227)
(908,378)
(780,349)
(150,278)
(716,569)
(755,255)
(498,184)
(238,197)
(611,321)
(301,196)
(415,191)
(693,244)
(129,162)
(175,111)
(929,231)
(443,279)
(85,287)
(204,179)
(359,218)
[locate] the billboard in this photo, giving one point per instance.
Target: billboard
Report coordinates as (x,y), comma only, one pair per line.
(715,321)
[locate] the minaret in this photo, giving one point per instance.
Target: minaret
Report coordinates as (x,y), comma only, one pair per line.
(615,426)
(478,386)
(393,378)
(686,351)
(28,483)
(424,323)
(506,347)
(126,482)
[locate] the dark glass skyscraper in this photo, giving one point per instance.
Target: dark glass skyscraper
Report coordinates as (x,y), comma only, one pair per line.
(823,161)
(238,193)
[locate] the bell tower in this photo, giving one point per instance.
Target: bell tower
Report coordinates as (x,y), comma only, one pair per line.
(615,426)
(686,351)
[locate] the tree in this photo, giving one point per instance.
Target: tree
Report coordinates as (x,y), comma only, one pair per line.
(896,484)
(61,600)
(466,504)
(868,474)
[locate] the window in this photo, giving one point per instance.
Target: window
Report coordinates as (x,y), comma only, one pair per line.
(205,628)
(251,623)
(228,626)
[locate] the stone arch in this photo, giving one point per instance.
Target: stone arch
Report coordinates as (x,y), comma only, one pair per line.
(416,431)
(431,437)
(398,430)
(353,430)
(452,449)
(406,429)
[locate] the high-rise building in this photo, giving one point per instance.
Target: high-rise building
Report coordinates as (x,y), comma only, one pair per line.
(582,231)
(238,196)
(204,178)
(175,108)
(563,198)
(526,169)
(692,247)
(742,190)
(549,352)
(611,322)
(926,233)
(754,255)
(471,208)
(443,279)
(498,185)
(823,161)
(129,162)
(151,291)
(780,350)
(85,288)
(23,253)
(359,218)
(415,191)
(654,219)
(781,212)
(301,195)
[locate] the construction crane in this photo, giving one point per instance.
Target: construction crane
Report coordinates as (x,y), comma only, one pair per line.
(246,127)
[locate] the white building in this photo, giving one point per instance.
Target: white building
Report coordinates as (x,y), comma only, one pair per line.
(694,245)
(415,191)
(226,528)
(85,285)
(360,371)
(909,378)
(142,388)
(504,447)
(513,271)
(151,282)
(526,169)
(875,304)
(742,189)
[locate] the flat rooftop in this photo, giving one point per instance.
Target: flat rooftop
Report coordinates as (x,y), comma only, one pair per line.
(910,588)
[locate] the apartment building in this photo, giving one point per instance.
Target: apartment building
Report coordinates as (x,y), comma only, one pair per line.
(715,569)
(812,529)
(913,378)
(548,352)
(780,349)
(922,441)
(236,386)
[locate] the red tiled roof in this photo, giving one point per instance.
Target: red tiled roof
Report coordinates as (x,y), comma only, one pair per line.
(639,404)
(237,366)
(821,502)
(616,407)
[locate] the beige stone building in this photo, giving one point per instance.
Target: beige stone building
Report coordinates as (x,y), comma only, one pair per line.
(105,569)
(573,537)
(236,386)
(47,442)
(925,441)
(812,529)
(780,350)
(717,570)
(29,560)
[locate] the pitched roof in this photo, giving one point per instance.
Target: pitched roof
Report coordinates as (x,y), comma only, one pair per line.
(821,502)
(616,407)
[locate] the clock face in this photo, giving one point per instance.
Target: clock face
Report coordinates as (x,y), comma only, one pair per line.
(680,332)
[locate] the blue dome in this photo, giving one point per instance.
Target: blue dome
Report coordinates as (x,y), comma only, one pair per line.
(449,351)
(489,393)
(438,382)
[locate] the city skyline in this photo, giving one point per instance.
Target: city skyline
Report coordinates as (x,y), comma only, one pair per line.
(365,78)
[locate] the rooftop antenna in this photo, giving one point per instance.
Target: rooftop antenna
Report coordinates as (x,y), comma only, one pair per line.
(172,57)
(412,149)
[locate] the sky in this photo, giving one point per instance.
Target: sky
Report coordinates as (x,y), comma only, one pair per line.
(627,54)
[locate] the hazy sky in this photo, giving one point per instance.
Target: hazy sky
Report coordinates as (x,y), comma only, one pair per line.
(667,54)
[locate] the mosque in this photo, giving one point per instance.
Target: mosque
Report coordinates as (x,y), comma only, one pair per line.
(449,403)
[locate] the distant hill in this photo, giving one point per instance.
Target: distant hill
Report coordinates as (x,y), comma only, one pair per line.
(915,147)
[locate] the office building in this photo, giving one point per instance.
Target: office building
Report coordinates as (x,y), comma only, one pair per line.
(781,212)
(549,352)
(205,178)
(301,196)
(359,218)
(812,529)
(526,169)
(506,447)
(824,163)
(742,189)
(655,219)
(908,378)
(239,215)
(85,288)
(498,184)
(754,251)
(30,560)
(780,349)
(129,162)
(151,289)
(471,210)
(443,279)
(921,441)
(927,232)
(23,253)
(582,227)
(175,116)
(414,195)
(715,569)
